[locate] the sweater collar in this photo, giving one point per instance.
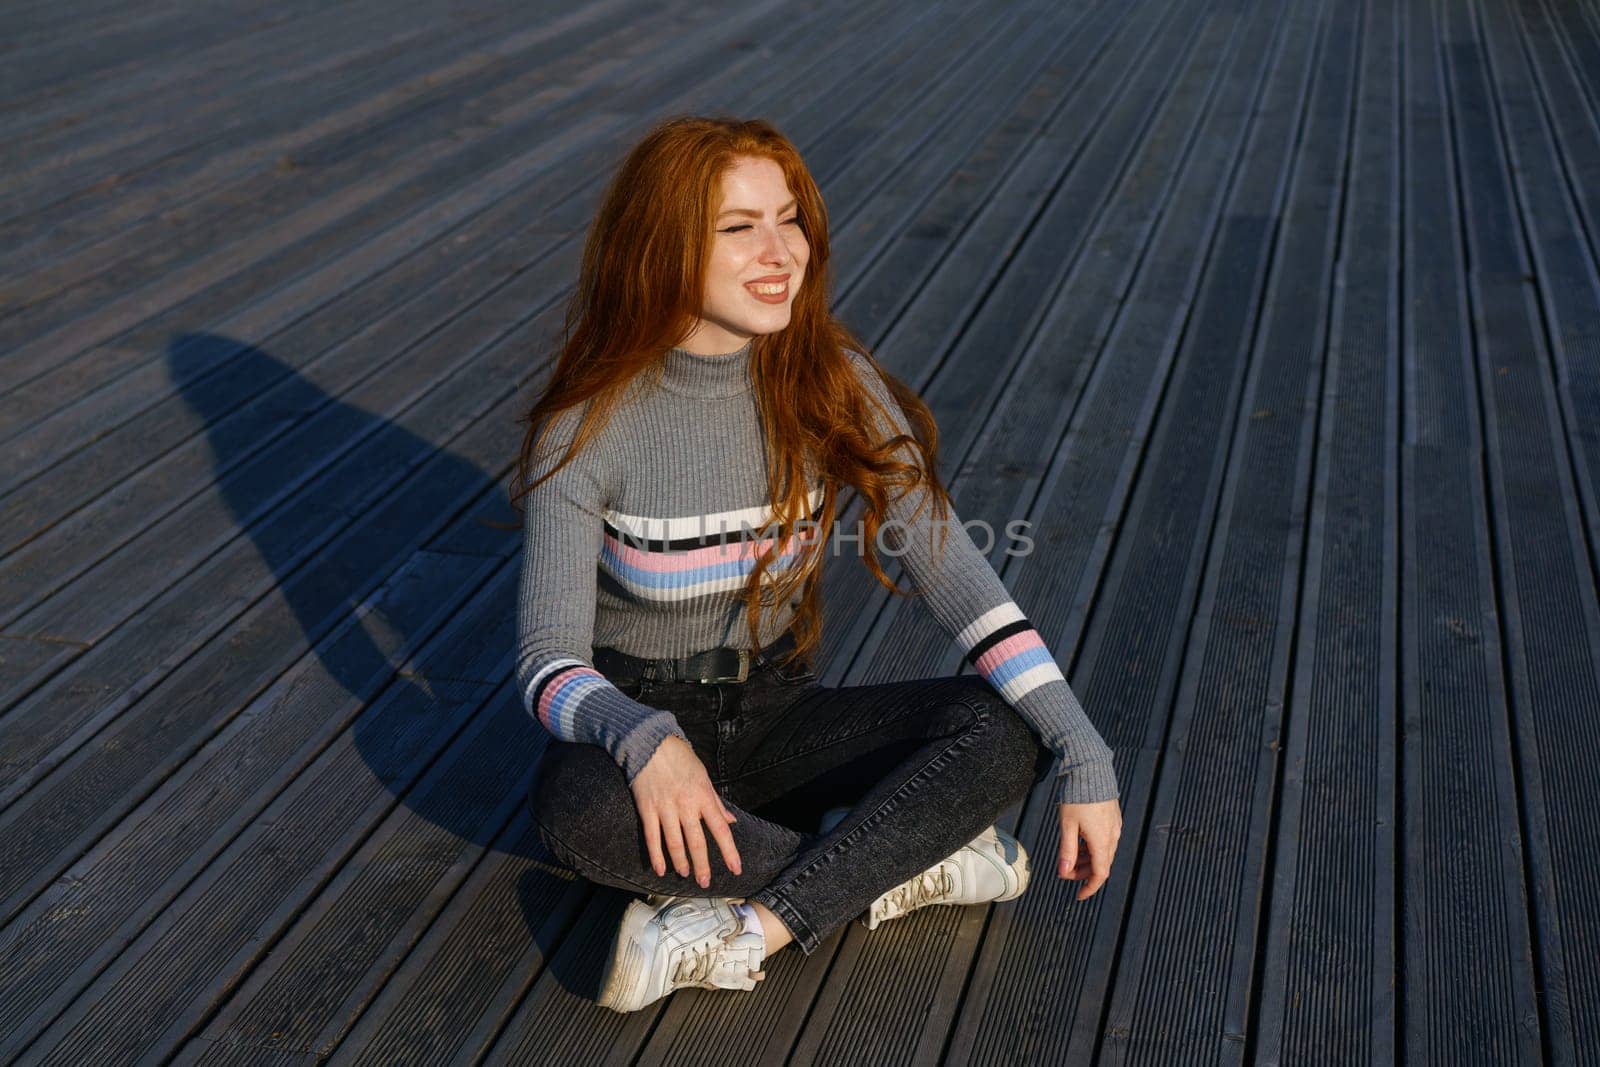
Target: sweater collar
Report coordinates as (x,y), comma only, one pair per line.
(725,375)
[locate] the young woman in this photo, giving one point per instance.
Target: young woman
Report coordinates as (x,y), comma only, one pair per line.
(680,478)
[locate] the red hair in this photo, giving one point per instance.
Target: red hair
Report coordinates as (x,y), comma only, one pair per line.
(639,294)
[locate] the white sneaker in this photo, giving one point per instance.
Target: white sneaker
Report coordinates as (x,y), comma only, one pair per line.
(676,943)
(992,866)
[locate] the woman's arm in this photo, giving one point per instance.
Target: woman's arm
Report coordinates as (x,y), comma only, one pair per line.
(971,603)
(563,524)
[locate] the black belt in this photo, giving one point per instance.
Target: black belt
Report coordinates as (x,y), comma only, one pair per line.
(720,664)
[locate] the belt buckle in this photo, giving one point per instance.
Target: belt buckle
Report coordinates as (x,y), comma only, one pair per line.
(744,669)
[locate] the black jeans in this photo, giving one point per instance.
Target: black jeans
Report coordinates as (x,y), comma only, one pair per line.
(924,765)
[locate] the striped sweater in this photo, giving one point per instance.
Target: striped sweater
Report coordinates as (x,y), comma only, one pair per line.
(645,540)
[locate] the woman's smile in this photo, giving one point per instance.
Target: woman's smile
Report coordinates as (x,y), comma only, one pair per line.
(769,292)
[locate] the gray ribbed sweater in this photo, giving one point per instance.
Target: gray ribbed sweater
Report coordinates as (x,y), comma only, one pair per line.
(625,548)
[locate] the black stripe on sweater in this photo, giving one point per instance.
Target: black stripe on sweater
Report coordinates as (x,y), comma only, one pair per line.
(1008,630)
(549,680)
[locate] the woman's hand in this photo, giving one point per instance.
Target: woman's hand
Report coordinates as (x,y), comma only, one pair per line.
(673,794)
(1100,825)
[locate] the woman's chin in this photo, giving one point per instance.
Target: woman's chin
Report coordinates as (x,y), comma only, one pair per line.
(776,320)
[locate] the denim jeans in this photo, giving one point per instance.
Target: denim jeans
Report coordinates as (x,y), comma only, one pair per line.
(923,765)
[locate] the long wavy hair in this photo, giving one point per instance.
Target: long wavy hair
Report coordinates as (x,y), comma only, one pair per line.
(639,294)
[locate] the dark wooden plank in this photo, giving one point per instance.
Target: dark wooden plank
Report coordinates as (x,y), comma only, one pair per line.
(29,22)
(1332,951)
(346,187)
(169,165)
(1546,580)
(1148,590)
(415,136)
(364,474)
(82,165)
(1552,220)
(124,95)
(128,131)
(22,658)
(203,696)
(268,1057)
(987,201)
(1576,138)
(306,992)
(1248,602)
(418,838)
(1556,172)
(1470,995)
(134,475)
(560,1023)
(58,62)
(1576,30)
(100,142)
(334,684)
(457,988)
(156,984)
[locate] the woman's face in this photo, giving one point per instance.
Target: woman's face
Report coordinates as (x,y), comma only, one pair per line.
(758,260)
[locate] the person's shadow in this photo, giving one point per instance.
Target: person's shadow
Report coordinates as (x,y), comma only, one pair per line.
(351,564)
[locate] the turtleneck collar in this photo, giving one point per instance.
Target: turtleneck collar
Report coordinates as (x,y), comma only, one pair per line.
(726,375)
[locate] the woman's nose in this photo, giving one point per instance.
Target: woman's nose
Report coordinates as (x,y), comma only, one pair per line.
(776,249)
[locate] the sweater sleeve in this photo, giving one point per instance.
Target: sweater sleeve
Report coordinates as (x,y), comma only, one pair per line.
(970,602)
(564,525)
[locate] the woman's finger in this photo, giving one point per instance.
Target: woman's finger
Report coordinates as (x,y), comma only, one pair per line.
(1069,847)
(1082,869)
(695,838)
(652,841)
(674,832)
(724,839)
(1100,871)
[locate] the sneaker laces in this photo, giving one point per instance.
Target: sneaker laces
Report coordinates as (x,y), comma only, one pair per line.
(932,886)
(699,965)
(694,963)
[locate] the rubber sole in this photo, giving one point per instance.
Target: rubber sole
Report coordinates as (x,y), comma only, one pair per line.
(635,942)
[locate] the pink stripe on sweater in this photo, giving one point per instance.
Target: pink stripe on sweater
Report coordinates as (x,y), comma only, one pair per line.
(568,677)
(1017,642)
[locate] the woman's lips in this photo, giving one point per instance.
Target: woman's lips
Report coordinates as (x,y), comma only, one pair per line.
(768,298)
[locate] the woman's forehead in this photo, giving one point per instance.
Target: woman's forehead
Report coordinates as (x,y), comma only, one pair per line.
(751,184)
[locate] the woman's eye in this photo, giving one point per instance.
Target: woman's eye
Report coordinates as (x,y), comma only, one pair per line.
(746,226)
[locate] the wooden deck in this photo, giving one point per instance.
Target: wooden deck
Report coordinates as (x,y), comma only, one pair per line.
(1279,322)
